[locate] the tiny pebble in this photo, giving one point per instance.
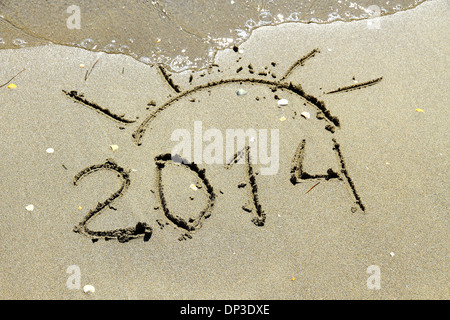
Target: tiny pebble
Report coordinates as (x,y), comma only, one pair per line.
(50,150)
(392,254)
(283,118)
(283,102)
(29,207)
(241,92)
(193,187)
(88,289)
(114,147)
(81,65)
(305,115)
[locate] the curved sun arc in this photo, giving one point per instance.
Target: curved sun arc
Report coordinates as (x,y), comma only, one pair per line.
(140,131)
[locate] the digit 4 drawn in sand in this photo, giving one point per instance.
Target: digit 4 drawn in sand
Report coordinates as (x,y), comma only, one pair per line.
(298,174)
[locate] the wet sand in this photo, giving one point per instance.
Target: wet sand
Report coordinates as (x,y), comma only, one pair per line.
(178,34)
(387,209)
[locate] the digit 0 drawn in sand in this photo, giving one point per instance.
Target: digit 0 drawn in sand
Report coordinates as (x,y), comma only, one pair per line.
(122,235)
(192,224)
(298,174)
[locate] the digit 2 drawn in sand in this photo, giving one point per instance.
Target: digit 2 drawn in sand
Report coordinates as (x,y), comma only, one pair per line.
(122,235)
(258,215)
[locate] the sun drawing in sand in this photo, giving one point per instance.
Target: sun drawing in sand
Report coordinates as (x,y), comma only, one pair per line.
(297,171)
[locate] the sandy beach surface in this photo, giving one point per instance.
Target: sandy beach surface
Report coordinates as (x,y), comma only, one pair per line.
(259,236)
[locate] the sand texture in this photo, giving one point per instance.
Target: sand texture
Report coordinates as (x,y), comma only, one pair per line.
(376,140)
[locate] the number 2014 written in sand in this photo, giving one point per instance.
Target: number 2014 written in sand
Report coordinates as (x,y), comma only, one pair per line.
(165,161)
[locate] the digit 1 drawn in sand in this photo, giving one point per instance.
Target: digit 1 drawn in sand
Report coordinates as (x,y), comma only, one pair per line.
(193,223)
(258,214)
(298,174)
(124,234)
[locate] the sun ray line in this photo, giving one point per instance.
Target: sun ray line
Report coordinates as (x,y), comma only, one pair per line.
(168,79)
(300,62)
(356,86)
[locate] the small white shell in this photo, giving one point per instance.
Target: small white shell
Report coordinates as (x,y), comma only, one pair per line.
(305,115)
(50,150)
(283,102)
(241,92)
(29,207)
(193,187)
(88,289)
